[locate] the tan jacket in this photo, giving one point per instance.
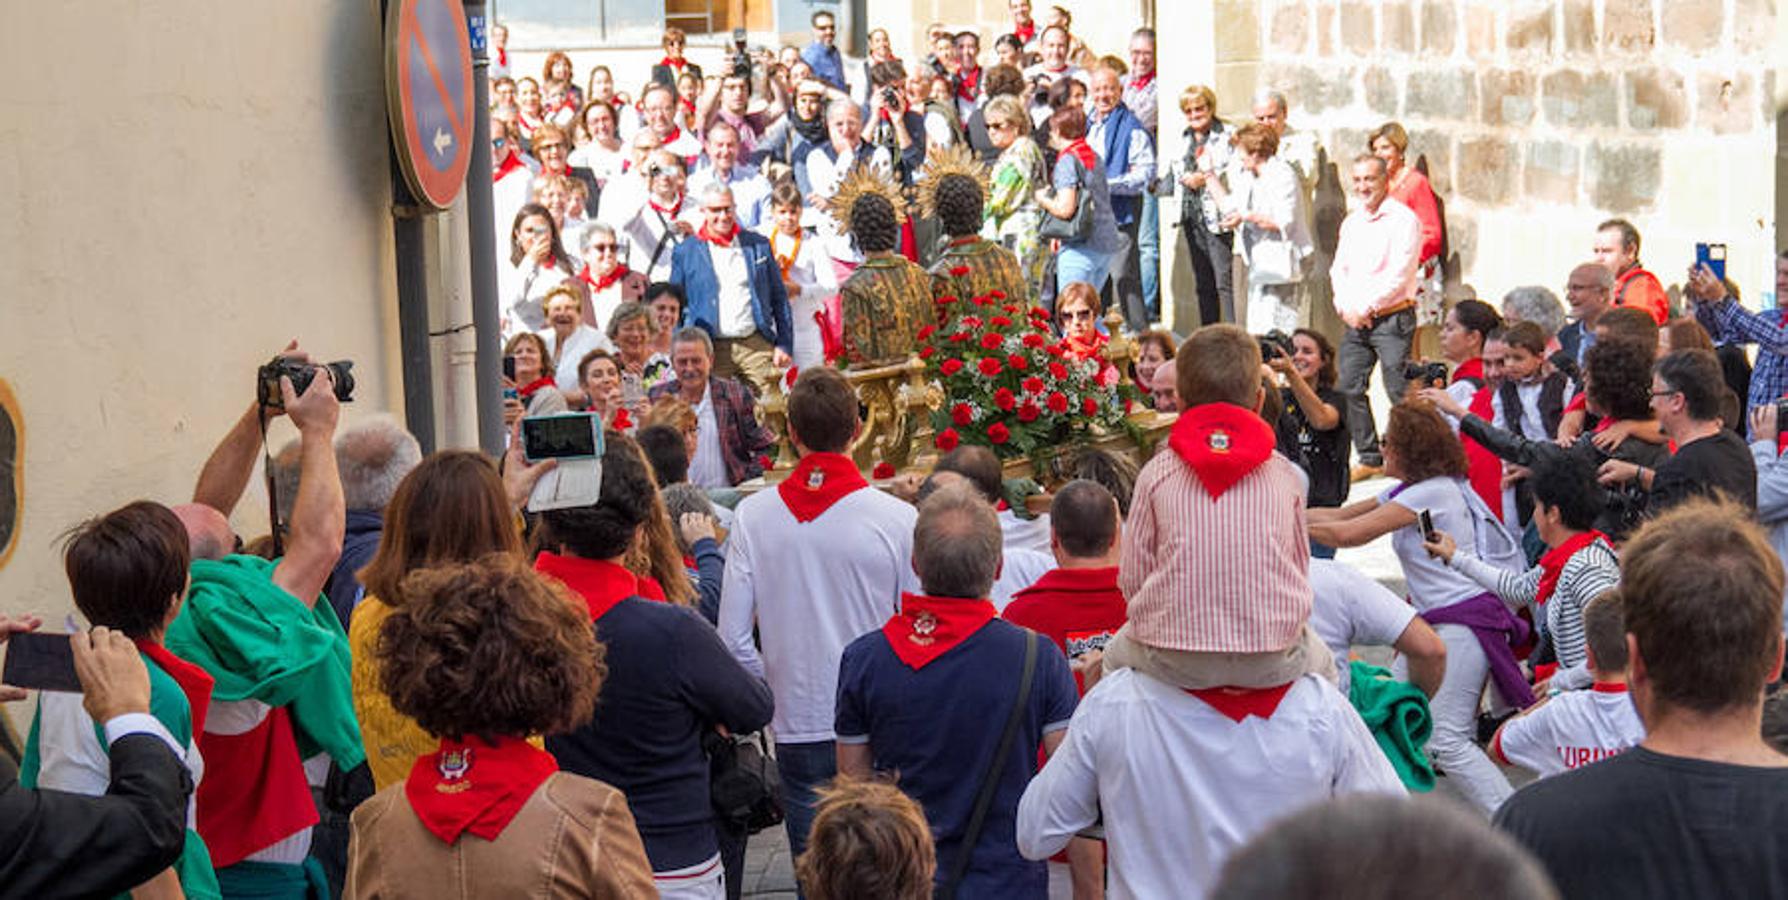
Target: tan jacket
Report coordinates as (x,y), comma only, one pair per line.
(574,838)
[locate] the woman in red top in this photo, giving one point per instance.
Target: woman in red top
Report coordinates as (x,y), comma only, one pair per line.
(1410,187)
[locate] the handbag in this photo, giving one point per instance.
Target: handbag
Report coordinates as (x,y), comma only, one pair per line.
(1077,228)
(744,786)
(990,780)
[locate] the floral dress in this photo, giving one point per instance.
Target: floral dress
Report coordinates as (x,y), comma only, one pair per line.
(1013,215)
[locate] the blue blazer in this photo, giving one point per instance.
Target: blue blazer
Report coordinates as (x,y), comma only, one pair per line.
(692,269)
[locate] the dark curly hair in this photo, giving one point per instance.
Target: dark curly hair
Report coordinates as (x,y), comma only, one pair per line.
(1618,379)
(605,529)
(875,224)
(959,205)
(489,648)
(1424,443)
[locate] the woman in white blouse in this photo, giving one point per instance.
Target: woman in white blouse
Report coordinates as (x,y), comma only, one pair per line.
(537,264)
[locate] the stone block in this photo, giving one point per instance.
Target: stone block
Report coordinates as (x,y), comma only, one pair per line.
(1580,27)
(1726,104)
(1462,240)
(1358,30)
(1440,27)
(1431,150)
(1486,170)
(1693,25)
(1480,29)
(1325,28)
(1530,28)
(1237,35)
(1381,91)
(1550,172)
(1398,26)
(1322,88)
(1440,94)
(1750,25)
(1508,96)
(1290,28)
(1343,145)
(1623,178)
(1627,27)
(1574,99)
(1656,99)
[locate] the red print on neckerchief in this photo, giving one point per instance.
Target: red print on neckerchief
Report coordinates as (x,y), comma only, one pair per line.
(818,481)
(1239,703)
(1222,442)
(474,785)
(1553,562)
(928,627)
(194,682)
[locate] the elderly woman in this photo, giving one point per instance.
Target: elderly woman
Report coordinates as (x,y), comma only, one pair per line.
(533,384)
(674,65)
(1410,187)
(1532,303)
(483,656)
(1077,312)
(632,330)
(1209,244)
(1274,241)
(1079,177)
(568,340)
(1012,211)
(537,263)
(610,283)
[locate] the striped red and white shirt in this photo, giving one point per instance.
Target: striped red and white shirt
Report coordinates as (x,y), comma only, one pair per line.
(1230,575)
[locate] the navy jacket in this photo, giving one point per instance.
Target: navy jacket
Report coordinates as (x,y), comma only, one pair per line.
(693,270)
(1117,160)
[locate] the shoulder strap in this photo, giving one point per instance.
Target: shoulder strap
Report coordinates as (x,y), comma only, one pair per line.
(990,781)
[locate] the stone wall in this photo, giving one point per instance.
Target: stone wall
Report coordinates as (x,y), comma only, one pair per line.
(1536,119)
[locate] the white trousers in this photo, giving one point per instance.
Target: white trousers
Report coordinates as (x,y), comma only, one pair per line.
(1455,711)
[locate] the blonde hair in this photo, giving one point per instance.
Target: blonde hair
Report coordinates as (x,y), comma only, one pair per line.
(1206,97)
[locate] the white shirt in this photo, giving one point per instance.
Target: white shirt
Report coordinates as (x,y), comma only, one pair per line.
(1182,786)
(1020,569)
(811,588)
(707,469)
(751,191)
(566,358)
(812,271)
(1570,731)
(1432,583)
(645,235)
(1348,609)
(734,280)
(1028,534)
(71,759)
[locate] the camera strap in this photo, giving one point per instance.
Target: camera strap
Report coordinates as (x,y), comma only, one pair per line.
(272,489)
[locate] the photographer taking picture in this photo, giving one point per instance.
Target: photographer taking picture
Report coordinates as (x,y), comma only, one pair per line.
(1318,412)
(892,123)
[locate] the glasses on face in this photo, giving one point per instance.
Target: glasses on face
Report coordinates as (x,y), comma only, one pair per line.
(718,210)
(1656,394)
(600,248)
(1076,315)
(554,145)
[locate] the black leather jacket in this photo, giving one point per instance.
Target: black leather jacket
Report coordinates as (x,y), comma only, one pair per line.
(1622,508)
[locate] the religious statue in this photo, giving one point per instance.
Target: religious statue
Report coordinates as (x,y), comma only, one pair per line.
(885,302)
(952,189)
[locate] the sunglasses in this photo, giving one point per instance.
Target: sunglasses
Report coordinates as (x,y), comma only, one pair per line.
(600,248)
(1077,315)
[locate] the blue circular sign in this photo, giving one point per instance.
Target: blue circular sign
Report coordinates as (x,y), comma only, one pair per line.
(428,86)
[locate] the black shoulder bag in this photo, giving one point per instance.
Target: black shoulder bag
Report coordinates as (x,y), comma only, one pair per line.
(990,780)
(743,785)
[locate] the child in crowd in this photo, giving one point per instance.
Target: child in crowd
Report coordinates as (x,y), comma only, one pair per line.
(806,270)
(559,109)
(868,840)
(1531,398)
(1575,728)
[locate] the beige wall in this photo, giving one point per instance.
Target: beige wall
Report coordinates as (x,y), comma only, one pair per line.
(187,186)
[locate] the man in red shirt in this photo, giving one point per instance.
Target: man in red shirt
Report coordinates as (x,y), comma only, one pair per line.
(1617,248)
(1077,604)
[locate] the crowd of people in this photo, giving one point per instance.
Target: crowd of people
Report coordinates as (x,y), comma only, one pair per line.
(421,682)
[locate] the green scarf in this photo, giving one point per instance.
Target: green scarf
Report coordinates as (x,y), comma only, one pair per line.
(1397,713)
(261,643)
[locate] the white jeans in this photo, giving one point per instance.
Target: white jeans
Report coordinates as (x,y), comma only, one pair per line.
(1274,307)
(1455,711)
(702,881)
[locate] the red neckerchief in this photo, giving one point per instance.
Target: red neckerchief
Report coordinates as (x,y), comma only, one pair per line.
(676,134)
(509,164)
(1483,468)
(602,282)
(195,683)
(1240,703)
(717,240)
(1084,349)
(650,589)
(621,421)
(1609,687)
(689,562)
(1553,562)
(1024,33)
(969,84)
(928,627)
(1142,81)
(818,481)
(475,785)
(529,389)
(677,64)
(1222,442)
(601,584)
(670,211)
(1471,368)
(502,56)
(544,171)
(1082,152)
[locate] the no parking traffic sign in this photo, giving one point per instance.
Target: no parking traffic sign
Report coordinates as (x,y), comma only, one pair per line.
(428,90)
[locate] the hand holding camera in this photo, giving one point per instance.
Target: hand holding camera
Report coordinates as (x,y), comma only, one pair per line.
(1429,374)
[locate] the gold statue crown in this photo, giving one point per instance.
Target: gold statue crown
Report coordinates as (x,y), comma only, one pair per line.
(861,181)
(954,160)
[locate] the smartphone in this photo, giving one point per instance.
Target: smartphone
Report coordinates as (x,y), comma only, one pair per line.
(509,367)
(566,436)
(1427,522)
(1712,256)
(43,662)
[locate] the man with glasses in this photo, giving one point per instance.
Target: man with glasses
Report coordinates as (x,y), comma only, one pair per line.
(735,293)
(1589,292)
(1688,393)
(822,55)
(658,114)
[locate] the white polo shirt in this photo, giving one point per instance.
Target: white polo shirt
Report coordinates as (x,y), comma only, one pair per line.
(1182,786)
(1347,609)
(811,588)
(1570,731)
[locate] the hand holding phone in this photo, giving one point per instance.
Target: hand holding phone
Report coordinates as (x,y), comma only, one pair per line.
(1427,522)
(43,662)
(1713,256)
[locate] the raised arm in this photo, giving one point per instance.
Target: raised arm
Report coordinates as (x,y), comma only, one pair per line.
(319,514)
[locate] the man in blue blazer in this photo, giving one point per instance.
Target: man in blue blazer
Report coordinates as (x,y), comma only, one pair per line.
(735,294)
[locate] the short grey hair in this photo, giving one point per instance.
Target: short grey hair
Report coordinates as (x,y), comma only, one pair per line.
(1533,303)
(592,229)
(373,457)
(716,189)
(682,498)
(1273,97)
(284,467)
(957,545)
(694,334)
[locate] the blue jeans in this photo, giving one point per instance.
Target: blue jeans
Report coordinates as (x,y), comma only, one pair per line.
(1081,264)
(1321,551)
(1149,241)
(803,767)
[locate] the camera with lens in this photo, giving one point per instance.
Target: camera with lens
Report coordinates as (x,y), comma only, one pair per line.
(936,65)
(654,170)
(890,98)
(302,374)
(1275,344)
(740,64)
(1430,374)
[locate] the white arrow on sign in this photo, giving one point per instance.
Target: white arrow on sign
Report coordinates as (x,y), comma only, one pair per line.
(443,142)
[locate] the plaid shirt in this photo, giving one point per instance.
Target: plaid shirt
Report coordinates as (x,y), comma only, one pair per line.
(742,438)
(1730,323)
